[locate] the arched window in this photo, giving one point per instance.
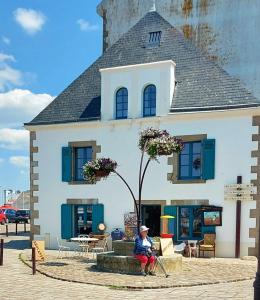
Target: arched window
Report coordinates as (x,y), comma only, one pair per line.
(122,103)
(149,101)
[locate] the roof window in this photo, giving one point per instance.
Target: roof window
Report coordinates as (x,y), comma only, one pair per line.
(154,38)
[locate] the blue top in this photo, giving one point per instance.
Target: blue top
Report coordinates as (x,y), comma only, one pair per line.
(139,248)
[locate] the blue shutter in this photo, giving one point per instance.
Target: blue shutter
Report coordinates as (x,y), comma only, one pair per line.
(208,159)
(66,164)
(97,216)
(172,225)
(66,221)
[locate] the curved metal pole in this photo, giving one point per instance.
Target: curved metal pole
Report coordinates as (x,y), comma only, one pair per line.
(139,217)
(140,192)
(130,190)
(142,180)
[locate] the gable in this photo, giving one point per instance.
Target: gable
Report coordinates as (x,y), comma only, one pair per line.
(201,84)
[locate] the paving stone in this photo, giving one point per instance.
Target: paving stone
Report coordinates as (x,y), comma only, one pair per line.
(17,283)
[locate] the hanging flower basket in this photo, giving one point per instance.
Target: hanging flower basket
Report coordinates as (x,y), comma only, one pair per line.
(98,168)
(156,142)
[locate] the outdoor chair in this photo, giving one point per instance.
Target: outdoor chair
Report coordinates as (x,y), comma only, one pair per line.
(208,243)
(101,246)
(83,246)
(179,248)
(62,248)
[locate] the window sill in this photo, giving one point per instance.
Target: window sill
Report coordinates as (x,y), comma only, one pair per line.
(79,182)
(188,181)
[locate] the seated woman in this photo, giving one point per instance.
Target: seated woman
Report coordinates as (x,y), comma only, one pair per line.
(143,251)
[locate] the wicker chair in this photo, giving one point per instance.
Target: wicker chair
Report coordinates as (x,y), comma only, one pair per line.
(208,243)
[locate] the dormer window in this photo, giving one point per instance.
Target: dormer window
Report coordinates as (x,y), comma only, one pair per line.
(154,38)
(149,101)
(122,103)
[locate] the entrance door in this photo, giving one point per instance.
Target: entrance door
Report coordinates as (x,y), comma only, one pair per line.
(83,219)
(151,218)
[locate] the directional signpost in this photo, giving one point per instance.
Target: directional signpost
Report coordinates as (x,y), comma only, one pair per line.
(238,192)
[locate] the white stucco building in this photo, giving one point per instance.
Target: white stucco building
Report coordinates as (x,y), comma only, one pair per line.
(151,77)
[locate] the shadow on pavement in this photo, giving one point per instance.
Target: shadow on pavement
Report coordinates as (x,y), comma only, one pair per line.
(20,244)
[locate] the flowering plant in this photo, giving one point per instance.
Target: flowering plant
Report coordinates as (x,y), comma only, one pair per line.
(156,142)
(100,167)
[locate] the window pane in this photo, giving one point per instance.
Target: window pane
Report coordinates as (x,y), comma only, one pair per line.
(121,103)
(184,171)
(196,165)
(197,147)
(184,227)
(185,212)
(149,101)
(184,159)
(185,149)
(196,228)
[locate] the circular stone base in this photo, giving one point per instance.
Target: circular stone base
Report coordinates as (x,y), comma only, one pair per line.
(130,265)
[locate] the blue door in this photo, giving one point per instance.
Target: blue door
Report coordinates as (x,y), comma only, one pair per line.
(190,223)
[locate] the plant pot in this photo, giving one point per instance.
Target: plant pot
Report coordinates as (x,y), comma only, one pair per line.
(102,173)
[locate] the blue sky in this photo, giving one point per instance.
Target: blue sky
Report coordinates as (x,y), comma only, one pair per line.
(44,45)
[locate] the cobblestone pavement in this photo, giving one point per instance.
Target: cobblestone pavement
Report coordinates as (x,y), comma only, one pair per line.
(195,272)
(17,283)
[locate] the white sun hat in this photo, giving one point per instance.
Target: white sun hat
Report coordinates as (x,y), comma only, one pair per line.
(143,228)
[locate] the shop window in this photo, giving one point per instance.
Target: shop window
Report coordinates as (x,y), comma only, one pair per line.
(149,101)
(190,222)
(122,103)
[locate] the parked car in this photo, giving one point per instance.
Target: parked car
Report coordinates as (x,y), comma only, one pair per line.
(22,216)
(2,217)
(10,215)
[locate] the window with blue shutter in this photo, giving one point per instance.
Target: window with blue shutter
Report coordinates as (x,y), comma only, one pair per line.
(66,164)
(208,159)
(171,210)
(97,216)
(66,221)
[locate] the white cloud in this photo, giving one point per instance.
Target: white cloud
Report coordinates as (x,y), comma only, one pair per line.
(31,20)
(21,105)
(9,77)
(14,139)
(86,26)
(5,57)
(1,160)
(6,40)
(20,161)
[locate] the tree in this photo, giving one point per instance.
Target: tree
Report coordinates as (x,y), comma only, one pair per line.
(153,143)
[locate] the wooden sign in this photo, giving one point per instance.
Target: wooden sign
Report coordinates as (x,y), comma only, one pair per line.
(242,198)
(167,246)
(39,250)
(241,192)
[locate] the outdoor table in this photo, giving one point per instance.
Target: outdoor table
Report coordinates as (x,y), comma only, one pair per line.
(84,241)
(194,247)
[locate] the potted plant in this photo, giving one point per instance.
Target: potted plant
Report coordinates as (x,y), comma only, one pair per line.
(98,168)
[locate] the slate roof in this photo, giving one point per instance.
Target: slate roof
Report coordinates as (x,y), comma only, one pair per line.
(201,83)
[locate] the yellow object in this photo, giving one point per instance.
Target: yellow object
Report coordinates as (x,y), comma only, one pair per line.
(39,250)
(164,223)
(167,217)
